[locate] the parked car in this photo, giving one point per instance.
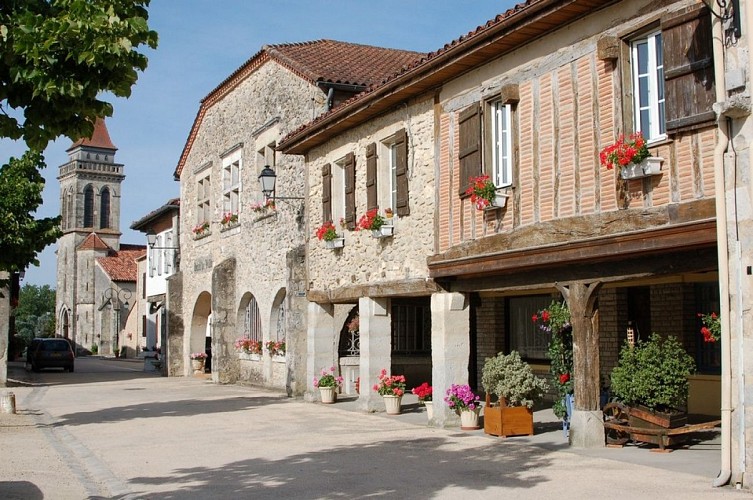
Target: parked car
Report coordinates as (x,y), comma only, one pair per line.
(50,353)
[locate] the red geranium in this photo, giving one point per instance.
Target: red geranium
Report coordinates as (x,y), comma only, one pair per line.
(624,151)
(564,378)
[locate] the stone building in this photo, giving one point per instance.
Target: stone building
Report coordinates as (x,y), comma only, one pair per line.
(242,265)
(95,277)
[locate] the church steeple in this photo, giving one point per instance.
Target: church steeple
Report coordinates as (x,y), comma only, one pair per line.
(90,187)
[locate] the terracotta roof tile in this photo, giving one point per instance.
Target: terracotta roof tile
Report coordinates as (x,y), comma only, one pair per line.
(316,61)
(93,242)
(121,265)
(100,137)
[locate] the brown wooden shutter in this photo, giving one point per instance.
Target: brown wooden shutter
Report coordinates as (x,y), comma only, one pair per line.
(470,146)
(326,193)
(350,190)
(401,173)
(371,177)
(688,69)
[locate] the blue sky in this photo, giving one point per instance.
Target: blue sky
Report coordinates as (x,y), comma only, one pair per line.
(201,42)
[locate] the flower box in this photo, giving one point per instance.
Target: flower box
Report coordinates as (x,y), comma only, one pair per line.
(648,167)
(336,243)
(385,231)
(499,201)
(506,421)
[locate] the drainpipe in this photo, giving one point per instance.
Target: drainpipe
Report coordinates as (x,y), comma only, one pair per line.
(722,249)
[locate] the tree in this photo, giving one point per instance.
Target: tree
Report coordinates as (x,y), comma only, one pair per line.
(35,314)
(57,58)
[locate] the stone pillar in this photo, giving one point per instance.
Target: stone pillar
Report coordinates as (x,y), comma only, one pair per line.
(225,363)
(4,331)
(586,424)
(320,345)
(174,362)
(450,350)
(376,348)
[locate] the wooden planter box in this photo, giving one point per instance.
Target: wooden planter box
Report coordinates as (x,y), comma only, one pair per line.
(643,418)
(506,421)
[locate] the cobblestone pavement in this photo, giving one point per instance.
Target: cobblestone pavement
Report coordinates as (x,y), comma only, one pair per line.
(113,431)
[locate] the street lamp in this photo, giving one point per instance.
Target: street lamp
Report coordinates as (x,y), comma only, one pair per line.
(151,238)
(268,178)
(114,296)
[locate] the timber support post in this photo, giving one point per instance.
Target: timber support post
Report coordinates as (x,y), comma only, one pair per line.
(586,426)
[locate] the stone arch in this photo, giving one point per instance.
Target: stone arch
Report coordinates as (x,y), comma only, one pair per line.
(65,322)
(89,206)
(349,352)
(278,319)
(201,325)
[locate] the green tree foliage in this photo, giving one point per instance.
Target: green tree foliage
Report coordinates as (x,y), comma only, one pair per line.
(21,235)
(57,59)
(35,314)
(58,56)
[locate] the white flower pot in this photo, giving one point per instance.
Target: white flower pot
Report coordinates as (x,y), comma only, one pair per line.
(649,166)
(328,395)
(336,243)
(383,232)
(469,419)
(392,404)
(429,409)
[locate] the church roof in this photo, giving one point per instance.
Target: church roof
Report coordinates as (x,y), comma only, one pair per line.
(326,61)
(93,242)
(121,265)
(100,138)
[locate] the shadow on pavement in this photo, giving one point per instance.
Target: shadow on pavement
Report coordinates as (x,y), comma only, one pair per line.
(384,469)
(21,490)
(89,370)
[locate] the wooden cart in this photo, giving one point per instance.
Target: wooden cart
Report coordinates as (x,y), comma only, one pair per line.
(619,428)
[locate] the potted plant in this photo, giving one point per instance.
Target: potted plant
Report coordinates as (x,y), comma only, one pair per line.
(116,352)
(373,221)
(651,380)
(248,346)
(200,230)
(197,361)
(328,233)
(275,347)
(424,392)
(391,388)
(631,156)
(465,403)
(484,194)
(229,219)
(328,384)
(554,321)
(517,389)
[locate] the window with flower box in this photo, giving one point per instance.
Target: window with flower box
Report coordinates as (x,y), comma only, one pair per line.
(648,86)
(231,182)
(203,197)
(252,321)
(387,174)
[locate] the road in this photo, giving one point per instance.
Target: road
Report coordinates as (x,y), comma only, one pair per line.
(109,430)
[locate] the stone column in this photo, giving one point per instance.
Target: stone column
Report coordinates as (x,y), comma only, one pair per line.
(320,344)
(586,424)
(376,349)
(225,364)
(174,362)
(450,350)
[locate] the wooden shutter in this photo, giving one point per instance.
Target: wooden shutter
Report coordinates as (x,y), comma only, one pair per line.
(401,172)
(371,177)
(326,193)
(688,69)
(470,146)
(350,190)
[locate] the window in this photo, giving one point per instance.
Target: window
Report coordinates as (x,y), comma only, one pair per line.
(708,356)
(648,86)
(501,143)
(280,330)
(104,212)
(88,206)
(326,193)
(203,194)
(168,253)
(71,213)
(411,327)
(523,334)
(252,321)
(343,193)
(469,154)
(231,183)
(389,187)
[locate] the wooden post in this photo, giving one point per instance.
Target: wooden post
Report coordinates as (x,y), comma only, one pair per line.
(581,300)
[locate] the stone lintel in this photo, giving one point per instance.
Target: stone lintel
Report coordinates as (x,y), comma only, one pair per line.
(351,294)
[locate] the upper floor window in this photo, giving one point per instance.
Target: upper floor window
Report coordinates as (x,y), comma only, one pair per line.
(88,206)
(387,176)
(501,143)
(203,196)
(648,86)
(338,193)
(231,183)
(104,211)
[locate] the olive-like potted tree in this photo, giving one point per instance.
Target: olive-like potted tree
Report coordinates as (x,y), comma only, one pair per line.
(651,383)
(517,389)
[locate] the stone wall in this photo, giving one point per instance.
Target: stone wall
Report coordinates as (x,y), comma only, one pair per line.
(263,108)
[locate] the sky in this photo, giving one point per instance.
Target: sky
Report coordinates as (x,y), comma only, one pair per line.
(201,42)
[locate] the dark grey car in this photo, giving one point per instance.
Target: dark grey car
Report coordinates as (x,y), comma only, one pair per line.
(50,353)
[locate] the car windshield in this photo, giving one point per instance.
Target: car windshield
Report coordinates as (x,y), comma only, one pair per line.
(54,345)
